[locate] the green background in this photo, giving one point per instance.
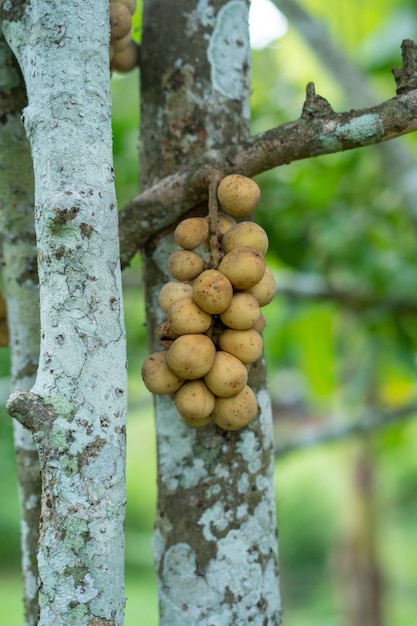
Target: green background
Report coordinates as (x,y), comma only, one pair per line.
(345,220)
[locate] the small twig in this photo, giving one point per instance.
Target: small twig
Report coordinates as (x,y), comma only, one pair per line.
(406,77)
(213,212)
(315,106)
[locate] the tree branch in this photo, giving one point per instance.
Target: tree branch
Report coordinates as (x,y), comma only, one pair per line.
(318,131)
(300,286)
(370,422)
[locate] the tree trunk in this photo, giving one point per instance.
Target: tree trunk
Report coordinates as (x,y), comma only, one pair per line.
(215,539)
(77,407)
(356,560)
(21,291)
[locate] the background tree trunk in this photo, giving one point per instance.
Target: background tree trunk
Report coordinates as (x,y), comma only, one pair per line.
(21,290)
(215,540)
(77,408)
(356,563)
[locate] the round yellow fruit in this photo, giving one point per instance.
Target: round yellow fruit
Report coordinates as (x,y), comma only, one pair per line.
(243,266)
(245,234)
(264,291)
(212,291)
(236,412)
(185,264)
(227,375)
(196,423)
(186,317)
(172,291)
(260,324)
(192,232)
(242,313)
(245,345)
(195,403)
(131,5)
(158,377)
(127,59)
(238,195)
(119,45)
(120,20)
(224,222)
(191,356)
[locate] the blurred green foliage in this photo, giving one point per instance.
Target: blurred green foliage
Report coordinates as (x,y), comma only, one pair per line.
(349,219)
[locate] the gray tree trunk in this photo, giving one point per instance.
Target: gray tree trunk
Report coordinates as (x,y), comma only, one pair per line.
(21,290)
(215,541)
(77,406)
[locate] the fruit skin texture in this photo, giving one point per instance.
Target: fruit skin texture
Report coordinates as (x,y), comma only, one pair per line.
(246,234)
(130,4)
(245,345)
(158,377)
(260,324)
(227,376)
(191,356)
(127,59)
(264,291)
(224,223)
(185,264)
(192,232)
(238,195)
(195,422)
(242,313)
(172,291)
(243,266)
(236,412)
(212,291)
(120,20)
(121,44)
(195,403)
(186,317)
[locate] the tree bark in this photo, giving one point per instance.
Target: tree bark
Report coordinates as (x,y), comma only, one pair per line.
(21,290)
(215,538)
(77,407)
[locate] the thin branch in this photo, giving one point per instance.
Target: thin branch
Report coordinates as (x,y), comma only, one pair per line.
(406,77)
(299,286)
(318,131)
(213,211)
(370,422)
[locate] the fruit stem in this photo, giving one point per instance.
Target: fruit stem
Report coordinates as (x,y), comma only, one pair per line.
(213,213)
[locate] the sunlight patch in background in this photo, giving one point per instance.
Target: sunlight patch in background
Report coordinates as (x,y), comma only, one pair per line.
(266,24)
